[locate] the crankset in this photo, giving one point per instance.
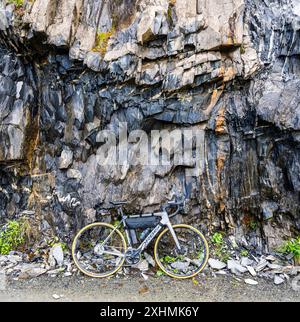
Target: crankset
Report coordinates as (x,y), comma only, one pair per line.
(132,256)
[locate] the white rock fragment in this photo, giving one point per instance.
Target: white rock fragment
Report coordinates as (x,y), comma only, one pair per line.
(275,266)
(251,270)
(56,255)
(216,264)
(143,265)
(250,281)
(221,272)
(74,174)
(146,277)
(278,280)
(56,296)
(271,258)
(65,159)
(149,259)
(245,261)
(261,265)
(235,267)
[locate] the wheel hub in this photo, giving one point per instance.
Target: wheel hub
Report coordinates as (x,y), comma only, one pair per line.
(98,249)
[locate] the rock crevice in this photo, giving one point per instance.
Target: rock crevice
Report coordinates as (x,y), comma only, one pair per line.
(229,68)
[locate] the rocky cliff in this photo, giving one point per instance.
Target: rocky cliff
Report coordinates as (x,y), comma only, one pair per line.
(231,68)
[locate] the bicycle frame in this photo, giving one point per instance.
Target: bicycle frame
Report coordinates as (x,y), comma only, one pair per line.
(164,222)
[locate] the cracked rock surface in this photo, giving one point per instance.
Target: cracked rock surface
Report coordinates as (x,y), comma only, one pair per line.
(69,69)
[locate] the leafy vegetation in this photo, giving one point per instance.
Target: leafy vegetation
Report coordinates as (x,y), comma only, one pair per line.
(160,273)
(12,236)
(292,246)
(55,242)
(217,239)
(16,235)
(244,253)
(17,3)
(250,221)
(169,259)
(219,246)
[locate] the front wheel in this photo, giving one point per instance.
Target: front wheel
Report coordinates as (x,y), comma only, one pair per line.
(99,249)
(186,262)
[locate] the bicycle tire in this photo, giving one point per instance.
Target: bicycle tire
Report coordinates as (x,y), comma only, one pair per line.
(158,261)
(99,224)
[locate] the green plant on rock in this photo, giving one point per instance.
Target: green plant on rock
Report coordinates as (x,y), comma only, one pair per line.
(222,253)
(244,253)
(219,247)
(217,239)
(242,49)
(292,246)
(11,237)
(159,273)
(253,225)
(55,241)
(170,11)
(168,259)
(17,3)
(102,39)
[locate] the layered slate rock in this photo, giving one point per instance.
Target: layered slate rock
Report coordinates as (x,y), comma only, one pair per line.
(17,94)
(71,68)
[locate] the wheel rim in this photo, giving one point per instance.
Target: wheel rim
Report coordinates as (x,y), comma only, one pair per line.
(90,255)
(187,263)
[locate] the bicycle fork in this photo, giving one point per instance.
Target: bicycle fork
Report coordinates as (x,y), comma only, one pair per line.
(166,221)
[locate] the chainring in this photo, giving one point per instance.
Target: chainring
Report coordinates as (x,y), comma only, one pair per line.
(132,256)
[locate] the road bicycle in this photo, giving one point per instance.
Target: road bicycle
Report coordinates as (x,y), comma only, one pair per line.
(180,251)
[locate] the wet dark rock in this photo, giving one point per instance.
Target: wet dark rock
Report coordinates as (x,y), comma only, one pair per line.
(269,207)
(164,68)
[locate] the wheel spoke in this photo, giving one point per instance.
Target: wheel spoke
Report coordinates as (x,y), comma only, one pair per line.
(189,260)
(98,250)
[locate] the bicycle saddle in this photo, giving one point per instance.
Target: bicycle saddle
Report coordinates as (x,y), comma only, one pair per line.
(118,203)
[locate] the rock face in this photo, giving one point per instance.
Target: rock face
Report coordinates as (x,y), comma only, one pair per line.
(231,69)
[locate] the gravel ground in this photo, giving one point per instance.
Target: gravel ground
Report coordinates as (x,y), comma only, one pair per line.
(135,288)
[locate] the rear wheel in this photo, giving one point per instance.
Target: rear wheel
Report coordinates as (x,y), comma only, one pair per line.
(99,249)
(184,263)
